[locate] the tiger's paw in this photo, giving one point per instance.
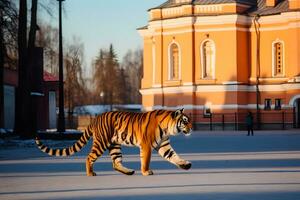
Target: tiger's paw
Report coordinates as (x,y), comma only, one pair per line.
(129,172)
(122,169)
(125,170)
(92,174)
(147,173)
(187,165)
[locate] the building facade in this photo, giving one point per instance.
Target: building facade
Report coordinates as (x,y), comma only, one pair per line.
(223,56)
(47,88)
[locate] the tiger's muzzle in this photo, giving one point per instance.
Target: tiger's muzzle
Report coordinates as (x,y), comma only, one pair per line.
(187,130)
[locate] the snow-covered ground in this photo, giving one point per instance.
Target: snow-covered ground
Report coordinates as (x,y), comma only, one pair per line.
(226,166)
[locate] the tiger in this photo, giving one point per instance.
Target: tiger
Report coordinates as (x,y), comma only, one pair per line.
(147,130)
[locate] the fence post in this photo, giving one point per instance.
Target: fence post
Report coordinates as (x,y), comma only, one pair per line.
(192,119)
(235,121)
(210,122)
(294,117)
(223,122)
(282,120)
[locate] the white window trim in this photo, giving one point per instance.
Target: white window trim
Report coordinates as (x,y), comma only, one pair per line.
(274,59)
(170,68)
(269,100)
(202,58)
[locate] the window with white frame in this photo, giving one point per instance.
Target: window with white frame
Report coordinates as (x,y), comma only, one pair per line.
(278,103)
(278,59)
(268,103)
(174,62)
(208,59)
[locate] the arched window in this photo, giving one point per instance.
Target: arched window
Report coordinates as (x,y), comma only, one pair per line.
(174,62)
(208,59)
(278,58)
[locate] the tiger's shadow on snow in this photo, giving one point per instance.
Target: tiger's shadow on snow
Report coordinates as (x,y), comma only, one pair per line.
(160,167)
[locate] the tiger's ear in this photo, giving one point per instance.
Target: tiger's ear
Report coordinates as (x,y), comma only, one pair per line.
(177,112)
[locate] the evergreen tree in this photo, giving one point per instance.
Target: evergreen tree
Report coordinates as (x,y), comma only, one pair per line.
(99,79)
(122,89)
(117,83)
(112,66)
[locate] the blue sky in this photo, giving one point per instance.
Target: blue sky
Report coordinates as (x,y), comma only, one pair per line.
(101,22)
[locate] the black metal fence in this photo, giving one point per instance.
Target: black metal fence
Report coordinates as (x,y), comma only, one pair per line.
(279,120)
(236,121)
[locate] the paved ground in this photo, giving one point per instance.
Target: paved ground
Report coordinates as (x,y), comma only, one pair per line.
(226,166)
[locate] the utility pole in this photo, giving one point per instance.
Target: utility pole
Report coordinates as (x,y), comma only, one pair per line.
(61,115)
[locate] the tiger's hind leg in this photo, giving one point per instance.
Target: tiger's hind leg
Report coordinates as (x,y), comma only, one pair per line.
(95,153)
(116,157)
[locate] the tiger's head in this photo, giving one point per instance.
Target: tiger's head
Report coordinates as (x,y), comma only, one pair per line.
(181,123)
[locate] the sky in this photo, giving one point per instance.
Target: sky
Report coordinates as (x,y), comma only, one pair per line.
(98,23)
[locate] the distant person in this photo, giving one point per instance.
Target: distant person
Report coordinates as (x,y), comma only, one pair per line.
(249,123)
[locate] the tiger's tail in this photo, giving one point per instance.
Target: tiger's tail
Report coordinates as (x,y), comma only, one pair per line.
(69,150)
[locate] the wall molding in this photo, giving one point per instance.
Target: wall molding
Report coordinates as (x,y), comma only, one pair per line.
(220,88)
(284,21)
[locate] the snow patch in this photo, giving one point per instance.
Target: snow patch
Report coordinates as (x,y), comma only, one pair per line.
(98,109)
(68,131)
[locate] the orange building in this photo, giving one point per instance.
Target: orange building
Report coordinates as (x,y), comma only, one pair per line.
(223,56)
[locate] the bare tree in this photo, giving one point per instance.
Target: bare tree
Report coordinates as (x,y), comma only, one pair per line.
(48,39)
(75,88)
(132,64)
(9,28)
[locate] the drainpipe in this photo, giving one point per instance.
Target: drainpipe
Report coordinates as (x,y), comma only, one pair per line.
(162,64)
(257,31)
(193,64)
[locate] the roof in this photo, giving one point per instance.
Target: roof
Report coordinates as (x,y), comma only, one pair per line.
(50,77)
(257,6)
(143,27)
(207,2)
(172,3)
(262,9)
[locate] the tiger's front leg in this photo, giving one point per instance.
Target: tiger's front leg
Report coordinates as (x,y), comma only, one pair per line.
(145,154)
(166,151)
